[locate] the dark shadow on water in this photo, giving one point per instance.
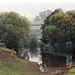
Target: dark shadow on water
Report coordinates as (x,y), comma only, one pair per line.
(52,60)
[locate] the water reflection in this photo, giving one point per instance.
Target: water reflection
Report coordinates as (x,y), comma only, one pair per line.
(45,61)
(50,60)
(34,55)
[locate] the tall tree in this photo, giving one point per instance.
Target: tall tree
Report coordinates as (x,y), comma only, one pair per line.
(61,32)
(37,18)
(47,23)
(15,30)
(42,15)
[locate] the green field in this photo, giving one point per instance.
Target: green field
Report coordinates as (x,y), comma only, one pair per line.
(37,23)
(36,27)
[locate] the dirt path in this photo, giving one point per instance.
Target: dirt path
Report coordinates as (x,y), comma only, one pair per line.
(54,70)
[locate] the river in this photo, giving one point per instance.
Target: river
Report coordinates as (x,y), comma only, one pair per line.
(51,62)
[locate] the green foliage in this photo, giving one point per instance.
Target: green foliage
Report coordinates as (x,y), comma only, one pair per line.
(47,48)
(39,42)
(15,30)
(71,13)
(2,45)
(33,43)
(11,39)
(7,50)
(61,32)
(48,23)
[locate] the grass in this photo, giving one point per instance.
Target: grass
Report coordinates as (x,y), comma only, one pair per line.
(72,71)
(2,45)
(33,23)
(35,27)
(10,64)
(7,50)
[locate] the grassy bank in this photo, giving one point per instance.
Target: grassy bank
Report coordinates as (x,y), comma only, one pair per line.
(10,64)
(72,71)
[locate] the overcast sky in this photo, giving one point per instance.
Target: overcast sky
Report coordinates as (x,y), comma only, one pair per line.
(31,8)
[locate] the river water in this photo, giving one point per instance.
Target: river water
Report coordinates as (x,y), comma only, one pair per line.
(50,61)
(35,56)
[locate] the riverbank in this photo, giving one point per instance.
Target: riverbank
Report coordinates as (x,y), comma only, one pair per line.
(71,71)
(56,64)
(61,70)
(10,64)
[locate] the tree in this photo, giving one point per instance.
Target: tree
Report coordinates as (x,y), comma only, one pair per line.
(42,15)
(37,18)
(47,23)
(15,30)
(72,14)
(33,43)
(61,32)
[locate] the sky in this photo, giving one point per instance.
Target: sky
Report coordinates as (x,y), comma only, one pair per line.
(31,8)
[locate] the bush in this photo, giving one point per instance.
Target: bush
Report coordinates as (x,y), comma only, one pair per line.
(2,45)
(14,30)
